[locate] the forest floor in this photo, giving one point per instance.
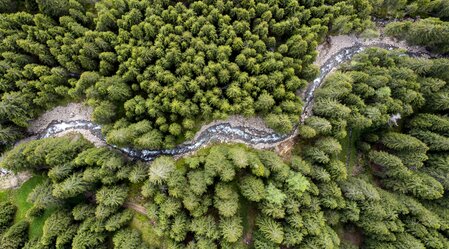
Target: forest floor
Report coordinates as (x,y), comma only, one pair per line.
(136,207)
(140,223)
(349,153)
(19,198)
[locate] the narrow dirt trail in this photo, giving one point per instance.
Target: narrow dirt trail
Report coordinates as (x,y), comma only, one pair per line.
(136,207)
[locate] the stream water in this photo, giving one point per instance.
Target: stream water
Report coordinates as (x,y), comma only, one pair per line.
(224,132)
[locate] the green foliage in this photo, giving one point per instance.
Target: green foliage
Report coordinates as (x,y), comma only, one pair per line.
(430,32)
(138,173)
(128,239)
(44,153)
(206,195)
(90,174)
(112,196)
(154,70)
(271,229)
(160,170)
(413,8)
(16,236)
(231,229)
(83,211)
(71,187)
(398,141)
(403,168)
(88,240)
(252,188)
(7,211)
(169,63)
(118,220)
(42,198)
(55,228)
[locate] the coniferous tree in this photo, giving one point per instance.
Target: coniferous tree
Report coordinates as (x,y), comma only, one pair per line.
(7,211)
(16,236)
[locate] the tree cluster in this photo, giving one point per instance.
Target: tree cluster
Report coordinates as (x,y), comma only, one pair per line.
(399,197)
(410,8)
(154,70)
(7,211)
(172,64)
(87,187)
(432,33)
(226,195)
(36,50)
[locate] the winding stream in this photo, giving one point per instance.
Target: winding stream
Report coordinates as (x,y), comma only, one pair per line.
(224,132)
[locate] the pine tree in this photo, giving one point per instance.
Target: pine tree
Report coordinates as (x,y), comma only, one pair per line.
(400,141)
(138,173)
(205,226)
(41,196)
(231,228)
(179,227)
(87,239)
(104,113)
(7,211)
(83,211)
(160,169)
(119,220)
(434,141)
(330,108)
(392,165)
(54,226)
(71,187)
(297,184)
(271,229)
(252,188)
(264,103)
(112,196)
(16,236)
(128,239)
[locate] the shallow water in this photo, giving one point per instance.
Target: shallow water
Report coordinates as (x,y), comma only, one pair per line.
(222,132)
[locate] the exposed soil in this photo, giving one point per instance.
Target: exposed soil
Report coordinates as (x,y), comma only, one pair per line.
(136,207)
(358,168)
(12,181)
(285,148)
(248,236)
(70,112)
(256,123)
(354,236)
(336,43)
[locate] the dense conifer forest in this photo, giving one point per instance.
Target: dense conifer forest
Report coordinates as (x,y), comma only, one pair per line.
(368,168)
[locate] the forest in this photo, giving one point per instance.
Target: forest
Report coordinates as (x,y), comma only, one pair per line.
(369,168)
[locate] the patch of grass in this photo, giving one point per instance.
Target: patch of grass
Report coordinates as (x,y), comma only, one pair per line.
(4,195)
(143,225)
(37,224)
(248,214)
(18,197)
(134,194)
